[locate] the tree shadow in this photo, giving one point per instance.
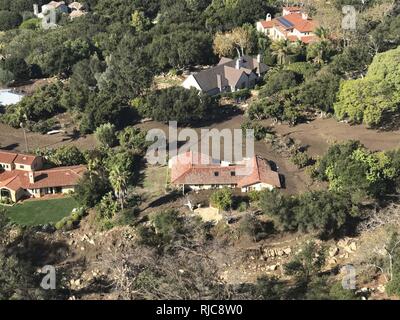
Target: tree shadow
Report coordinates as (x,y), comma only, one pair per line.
(10,146)
(95,286)
(170,197)
(390,122)
(73,136)
(218,115)
(38,251)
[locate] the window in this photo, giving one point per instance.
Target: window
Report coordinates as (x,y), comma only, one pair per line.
(21,166)
(233,173)
(216,174)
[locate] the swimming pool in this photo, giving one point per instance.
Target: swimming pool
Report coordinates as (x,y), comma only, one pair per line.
(8,97)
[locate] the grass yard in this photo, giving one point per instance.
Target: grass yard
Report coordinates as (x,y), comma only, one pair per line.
(38,212)
(155,181)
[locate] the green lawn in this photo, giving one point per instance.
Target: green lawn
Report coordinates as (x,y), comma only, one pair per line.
(155,179)
(33,213)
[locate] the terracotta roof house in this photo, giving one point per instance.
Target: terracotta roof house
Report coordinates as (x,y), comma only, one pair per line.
(22,176)
(75,6)
(59,6)
(229,75)
(294,25)
(249,174)
(74,9)
(77,10)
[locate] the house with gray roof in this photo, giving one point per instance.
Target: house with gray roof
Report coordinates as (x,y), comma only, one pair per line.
(229,75)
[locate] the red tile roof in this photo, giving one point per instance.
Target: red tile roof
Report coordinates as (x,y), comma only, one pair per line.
(10,157)
(262,173)
(296,19)
(293,38)
(303,25)
(7,157)
(267,24)
(309,39)
(216,174)
(56,177)
(25,159)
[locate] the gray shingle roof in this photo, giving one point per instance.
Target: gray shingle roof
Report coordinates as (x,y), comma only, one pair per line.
(230,75)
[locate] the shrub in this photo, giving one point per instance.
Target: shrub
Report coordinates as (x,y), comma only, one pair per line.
(222,199)
(254,228)
(43,126)
(243,94)
(242,206)
(260,131)
(166,227)
(133,139)
(105,134)
(254,195)
(338,293)
(70,222)
(300,159)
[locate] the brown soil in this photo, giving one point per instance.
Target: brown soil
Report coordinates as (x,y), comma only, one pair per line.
(320,133)
(13,139)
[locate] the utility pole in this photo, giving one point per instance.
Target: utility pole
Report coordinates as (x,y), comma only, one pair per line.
(26,140)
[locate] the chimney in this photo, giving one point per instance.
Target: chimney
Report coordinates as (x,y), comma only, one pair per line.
(239,63)
(304,16)
(36,9)
(268,18)
(31,177)
(219,82)
(259,58)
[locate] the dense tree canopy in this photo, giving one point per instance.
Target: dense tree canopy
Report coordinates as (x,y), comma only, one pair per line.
(350,168)
(378,94)
(175,104)
(9,20)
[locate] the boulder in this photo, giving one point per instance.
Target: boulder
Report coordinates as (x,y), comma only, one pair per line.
(273,267)
(287,251)
(333,251)
(353,246)
(343,243)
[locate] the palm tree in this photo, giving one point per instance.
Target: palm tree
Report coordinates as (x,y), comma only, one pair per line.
(119,181)
(93,165)
(281,49)
(319,51)
(322,33)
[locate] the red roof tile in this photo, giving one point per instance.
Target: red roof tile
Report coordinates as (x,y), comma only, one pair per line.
(7,157)
(296,19)
(303,25)
(212,174)
(309,39)
(56,177)
(262,173)
(25,159)
(267,24)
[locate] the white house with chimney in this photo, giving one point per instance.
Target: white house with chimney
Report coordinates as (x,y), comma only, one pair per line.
(58,6)
(294,25)
(74,9)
